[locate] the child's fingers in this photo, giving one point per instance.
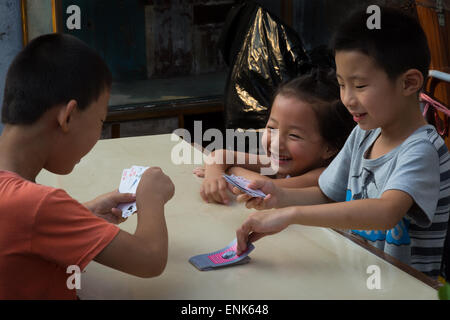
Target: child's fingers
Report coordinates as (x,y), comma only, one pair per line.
(242,236)
(231,188)
(203,194)
(117,213)
(214,193)
(217,192)
(124,197)
(254,203)
(267,201)
(211,193)
(236,190)
(199,172)
(223,191)
(265,186)
(243,197)
(256,184)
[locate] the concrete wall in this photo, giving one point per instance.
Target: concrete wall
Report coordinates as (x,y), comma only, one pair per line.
(10,38)
(39,18)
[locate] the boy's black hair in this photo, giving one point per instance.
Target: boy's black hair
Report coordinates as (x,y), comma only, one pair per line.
(321,90)
(399,45)
(52,70)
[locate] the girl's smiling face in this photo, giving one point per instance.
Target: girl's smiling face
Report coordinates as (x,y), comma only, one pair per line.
(296,145)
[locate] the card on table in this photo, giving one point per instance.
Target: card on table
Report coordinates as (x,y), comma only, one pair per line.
(128,184)
(242,184)
(221,258)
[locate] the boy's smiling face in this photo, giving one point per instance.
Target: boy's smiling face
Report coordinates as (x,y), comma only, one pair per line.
(369,95)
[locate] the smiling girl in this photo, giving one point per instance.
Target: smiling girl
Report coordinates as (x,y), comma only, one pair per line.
(307,126)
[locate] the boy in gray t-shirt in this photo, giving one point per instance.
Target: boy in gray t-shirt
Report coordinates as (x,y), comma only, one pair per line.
(413,167)
(390,184)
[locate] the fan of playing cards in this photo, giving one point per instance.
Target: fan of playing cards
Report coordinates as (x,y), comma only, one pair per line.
(242,184)
(128,184)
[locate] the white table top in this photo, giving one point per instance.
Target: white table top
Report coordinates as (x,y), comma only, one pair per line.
(299,263)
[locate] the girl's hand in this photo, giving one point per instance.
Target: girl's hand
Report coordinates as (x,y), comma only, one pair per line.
(272,199)
(105,206)
(260,224)
(199,172)
(214,187)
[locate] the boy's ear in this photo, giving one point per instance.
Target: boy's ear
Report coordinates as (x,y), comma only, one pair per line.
(65,114)
(412,82)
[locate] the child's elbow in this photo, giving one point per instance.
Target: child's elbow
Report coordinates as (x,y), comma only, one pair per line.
(154,266)
(392,219)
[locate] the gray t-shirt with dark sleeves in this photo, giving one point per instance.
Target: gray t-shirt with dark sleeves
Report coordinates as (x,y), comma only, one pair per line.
(420,166)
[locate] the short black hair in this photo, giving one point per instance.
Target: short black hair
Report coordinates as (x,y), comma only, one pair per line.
(321,90)
(399,45)
(52,70)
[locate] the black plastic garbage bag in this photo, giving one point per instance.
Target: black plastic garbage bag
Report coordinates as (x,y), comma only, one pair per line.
(261,52)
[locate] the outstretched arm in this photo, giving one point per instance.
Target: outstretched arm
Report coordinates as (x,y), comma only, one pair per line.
(366,214)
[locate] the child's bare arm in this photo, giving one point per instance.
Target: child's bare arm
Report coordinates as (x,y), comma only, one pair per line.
(281,197)
(144,253)
(366,214)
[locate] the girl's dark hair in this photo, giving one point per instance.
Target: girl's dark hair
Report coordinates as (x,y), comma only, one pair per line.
(52,70)
(321,90)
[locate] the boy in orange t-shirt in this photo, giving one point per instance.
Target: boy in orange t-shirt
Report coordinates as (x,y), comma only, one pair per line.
(56,97)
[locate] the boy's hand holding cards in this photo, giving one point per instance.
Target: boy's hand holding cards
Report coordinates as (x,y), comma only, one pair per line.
(242,184)
(221,258)
(128,184)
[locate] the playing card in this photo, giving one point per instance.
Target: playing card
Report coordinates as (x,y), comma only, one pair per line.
(128,184)
(221,258)
(123,187)
(134,178)
(127,209)
(242,184)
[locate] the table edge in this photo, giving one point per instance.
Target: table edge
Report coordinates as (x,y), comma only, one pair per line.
(435,284)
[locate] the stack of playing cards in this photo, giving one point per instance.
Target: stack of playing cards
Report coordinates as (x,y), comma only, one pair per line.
(128,184)
(221,258)
(242,184)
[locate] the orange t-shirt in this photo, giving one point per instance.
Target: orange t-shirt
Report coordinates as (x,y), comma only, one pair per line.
(42,232)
